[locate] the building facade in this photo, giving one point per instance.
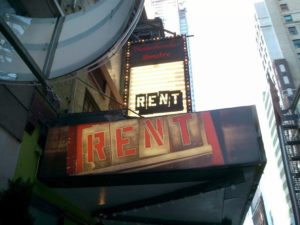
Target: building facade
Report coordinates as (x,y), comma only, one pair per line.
(277,38)
(285,16)
(258,210)
(31,103)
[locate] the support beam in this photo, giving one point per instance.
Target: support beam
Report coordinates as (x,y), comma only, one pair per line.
(23,53)
(147,220)
(53,45)
(203,187)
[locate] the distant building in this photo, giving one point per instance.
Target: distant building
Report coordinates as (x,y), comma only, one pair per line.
(285,16)
(279,47)
(148,28)
(170,11)
(259,216)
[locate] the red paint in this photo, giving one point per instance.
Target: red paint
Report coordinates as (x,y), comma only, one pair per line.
(79,162)
(71,152)
(126,136)
(156,56)
(90,148)
(158,46)
(182,120)
(99,146)
(157,133)
(212,139)
(121,142)
(79,151)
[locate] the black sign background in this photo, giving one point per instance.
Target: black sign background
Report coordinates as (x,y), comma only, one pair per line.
(153,52)
(171,106)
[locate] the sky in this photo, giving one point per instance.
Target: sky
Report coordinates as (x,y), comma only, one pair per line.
(227,71)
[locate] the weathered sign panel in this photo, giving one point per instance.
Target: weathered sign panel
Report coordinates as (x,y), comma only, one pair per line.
(181,141)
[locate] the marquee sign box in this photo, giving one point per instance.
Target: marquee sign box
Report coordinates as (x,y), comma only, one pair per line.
(164,50)
(157,80)
(182,141)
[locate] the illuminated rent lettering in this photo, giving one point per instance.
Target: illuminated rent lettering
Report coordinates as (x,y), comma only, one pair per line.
(95,148)
(182,120)
(163,98)
(121,142)
(156,133)
(175,97)
(163,101)
(140,101)
(152,100)
(117,143)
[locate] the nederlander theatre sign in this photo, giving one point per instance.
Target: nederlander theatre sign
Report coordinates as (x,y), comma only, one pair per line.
(182,141)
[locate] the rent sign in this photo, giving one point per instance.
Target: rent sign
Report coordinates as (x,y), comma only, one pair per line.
(136,143)
(162,101)
(177,141)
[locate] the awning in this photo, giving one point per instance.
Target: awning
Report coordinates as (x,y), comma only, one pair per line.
(191,168)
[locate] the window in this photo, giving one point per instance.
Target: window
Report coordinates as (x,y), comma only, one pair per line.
(89,104)
(282,68)
(289,92)
(296,43)
(286,80)
(298,54)
(98,77)
(293,30)
(288,18)
(284,7)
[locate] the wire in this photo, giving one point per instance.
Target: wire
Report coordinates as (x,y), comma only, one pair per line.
(3,82)
(70,77)
(105,95)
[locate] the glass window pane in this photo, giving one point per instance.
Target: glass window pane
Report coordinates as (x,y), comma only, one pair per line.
(104,28)
(289,91)
(288,18)
(284,7)
(286,80)
(282,68)
(34,33)
(296,43)
(293,30)
(12,67)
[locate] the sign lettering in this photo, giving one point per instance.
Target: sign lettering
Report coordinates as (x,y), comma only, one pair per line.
(140,142)
(163,101)
(168,50)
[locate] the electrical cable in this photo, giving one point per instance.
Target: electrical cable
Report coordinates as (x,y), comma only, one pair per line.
(105,95)
(25,83)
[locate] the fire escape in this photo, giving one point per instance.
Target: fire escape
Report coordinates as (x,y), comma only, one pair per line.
(291,139)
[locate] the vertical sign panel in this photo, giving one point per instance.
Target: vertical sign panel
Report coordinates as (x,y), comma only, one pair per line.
(177,141)
(157,77)
(157,89)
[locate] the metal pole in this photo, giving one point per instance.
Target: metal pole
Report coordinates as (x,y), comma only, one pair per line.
(23,53)
(53,45)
